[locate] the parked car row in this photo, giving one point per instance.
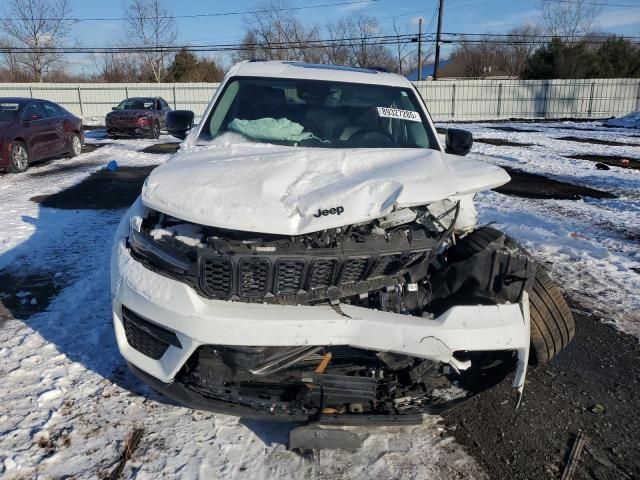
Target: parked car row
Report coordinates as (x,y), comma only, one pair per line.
(32,129)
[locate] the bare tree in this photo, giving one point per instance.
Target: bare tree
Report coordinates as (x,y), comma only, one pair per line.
(481,57)
(150,27)
(569,19)
(117,67)
(520,48)
(273,34)
(407,53)
(38,26)
(355,43)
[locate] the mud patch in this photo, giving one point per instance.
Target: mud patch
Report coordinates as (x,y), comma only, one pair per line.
(92,147)
(514,129)
(102,190)
(592,386)
(26,294)
(500,142)
(613,160)
(161,148)
(598,141)
(530,185)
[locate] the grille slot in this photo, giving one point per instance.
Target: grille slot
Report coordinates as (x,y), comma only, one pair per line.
(289,275)
(353,270)
(216,277)
(387,265)
(146,337)
(253,277)
(322,272)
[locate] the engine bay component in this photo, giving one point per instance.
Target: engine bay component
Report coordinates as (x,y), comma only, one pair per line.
(330,265)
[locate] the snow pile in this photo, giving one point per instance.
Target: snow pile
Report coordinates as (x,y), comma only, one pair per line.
(631,120)
(96,121)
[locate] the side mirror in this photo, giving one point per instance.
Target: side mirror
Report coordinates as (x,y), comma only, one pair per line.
(114,108)
(458,141)
(179,122)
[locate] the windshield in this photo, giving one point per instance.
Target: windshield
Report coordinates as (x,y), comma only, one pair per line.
(8,111)
(136,104)
(320,114)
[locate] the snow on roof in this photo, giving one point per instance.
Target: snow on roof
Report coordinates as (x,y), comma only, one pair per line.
(335,73)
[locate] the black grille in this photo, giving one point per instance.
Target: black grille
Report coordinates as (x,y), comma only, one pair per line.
(289,276)
(146,337)
(387,265)
(254,277)
(215,277)
(353,270)
(322,272)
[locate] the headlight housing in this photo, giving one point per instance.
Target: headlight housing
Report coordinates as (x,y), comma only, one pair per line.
(146,249)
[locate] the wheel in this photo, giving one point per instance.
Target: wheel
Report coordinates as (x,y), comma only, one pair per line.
(75,146)
(552,323)
(18,157)
(155,131)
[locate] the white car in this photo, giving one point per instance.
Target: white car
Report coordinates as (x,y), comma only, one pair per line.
(311,254)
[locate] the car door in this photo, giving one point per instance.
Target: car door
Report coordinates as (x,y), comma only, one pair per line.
(55,122)
(35,130)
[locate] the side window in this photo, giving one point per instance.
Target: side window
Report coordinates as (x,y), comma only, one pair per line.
(51,110)
(164,104)
(158,105)
(33,112)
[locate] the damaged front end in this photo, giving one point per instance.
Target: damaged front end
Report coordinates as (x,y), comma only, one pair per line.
(417,326)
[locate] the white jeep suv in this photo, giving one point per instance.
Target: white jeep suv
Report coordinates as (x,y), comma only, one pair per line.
(311,253)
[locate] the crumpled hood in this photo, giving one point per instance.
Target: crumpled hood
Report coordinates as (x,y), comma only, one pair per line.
(294,190)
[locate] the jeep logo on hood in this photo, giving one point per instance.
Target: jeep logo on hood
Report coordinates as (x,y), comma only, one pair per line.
(332,211)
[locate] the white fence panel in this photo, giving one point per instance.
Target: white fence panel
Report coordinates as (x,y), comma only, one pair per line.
(447,100)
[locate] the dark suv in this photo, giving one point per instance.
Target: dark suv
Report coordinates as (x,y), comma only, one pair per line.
(32,129)
(138,116)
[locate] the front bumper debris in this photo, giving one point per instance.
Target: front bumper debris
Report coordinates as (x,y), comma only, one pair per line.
(190,322)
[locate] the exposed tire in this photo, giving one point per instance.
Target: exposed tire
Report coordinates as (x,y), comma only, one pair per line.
(155,131)
(552,323)
(18,157)
(75,146)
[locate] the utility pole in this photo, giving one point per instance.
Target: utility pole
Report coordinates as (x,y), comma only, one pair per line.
(438,36)
(420,49)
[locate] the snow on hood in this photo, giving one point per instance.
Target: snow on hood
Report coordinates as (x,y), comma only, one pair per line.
(293,190)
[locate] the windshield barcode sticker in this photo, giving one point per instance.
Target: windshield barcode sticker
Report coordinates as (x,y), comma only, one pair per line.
(387,112)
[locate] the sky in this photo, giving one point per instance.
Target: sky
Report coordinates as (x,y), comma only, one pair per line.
(475,16)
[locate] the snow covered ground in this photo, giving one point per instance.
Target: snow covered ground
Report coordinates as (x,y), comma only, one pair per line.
(70,403)
(592,247)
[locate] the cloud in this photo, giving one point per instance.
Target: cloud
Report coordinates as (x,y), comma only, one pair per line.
(354,7)
(510,21)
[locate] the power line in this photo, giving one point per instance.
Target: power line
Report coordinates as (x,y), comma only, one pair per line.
(380,40)
(598,4)
(198,15)
(523,35)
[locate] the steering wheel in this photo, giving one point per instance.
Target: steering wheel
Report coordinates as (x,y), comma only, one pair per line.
(374,137)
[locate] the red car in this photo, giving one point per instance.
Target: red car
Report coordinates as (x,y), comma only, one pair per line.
(32,130)
(138,116)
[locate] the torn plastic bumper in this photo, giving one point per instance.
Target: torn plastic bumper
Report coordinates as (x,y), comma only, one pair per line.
(195,321)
